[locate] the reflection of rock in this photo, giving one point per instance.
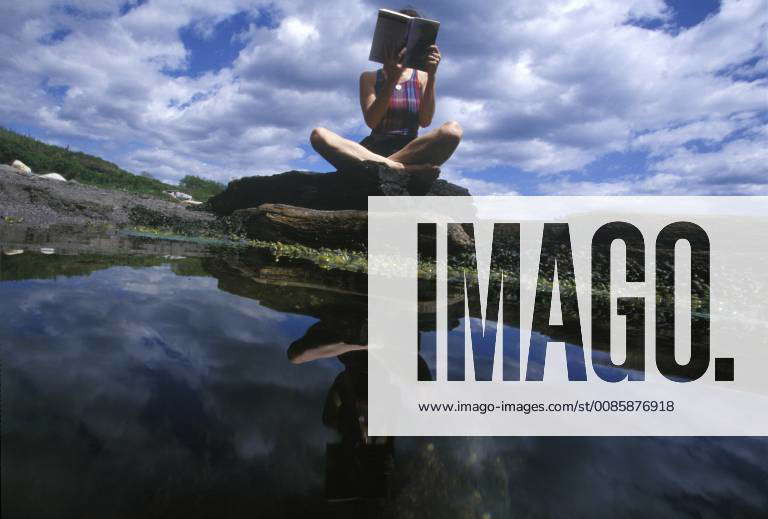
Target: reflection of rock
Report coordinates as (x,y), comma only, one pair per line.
(49,264)
(301,288)
(73,239)
(327,191)
(338,298)
(70,251)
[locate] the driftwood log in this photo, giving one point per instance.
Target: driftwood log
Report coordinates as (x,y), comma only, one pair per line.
(343,229)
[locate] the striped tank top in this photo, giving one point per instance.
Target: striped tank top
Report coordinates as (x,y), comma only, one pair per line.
(402,116)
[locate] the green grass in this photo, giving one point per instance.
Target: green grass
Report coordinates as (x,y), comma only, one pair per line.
(94,171)
(328,259)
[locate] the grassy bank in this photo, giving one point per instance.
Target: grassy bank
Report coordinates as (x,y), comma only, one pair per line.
(92,170)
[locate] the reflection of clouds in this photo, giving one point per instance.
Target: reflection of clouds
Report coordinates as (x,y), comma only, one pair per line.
(32,300)
(586,477)
(150,289)
(97,407)
(119,369)
(581,477)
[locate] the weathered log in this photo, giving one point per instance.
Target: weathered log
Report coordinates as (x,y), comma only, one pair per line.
(344,229)
(326,191)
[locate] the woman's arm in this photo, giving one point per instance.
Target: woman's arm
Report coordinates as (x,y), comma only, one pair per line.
(374,107)
(427,106)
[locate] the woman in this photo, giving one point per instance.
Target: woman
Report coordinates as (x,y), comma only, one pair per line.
(396,101)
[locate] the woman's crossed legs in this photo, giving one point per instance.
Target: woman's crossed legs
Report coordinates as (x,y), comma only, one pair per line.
(422,156)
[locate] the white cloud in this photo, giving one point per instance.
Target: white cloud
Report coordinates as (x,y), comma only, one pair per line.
(543,87)
(739,162)
(737,167)
(295,33)
(669,139)
(476,186)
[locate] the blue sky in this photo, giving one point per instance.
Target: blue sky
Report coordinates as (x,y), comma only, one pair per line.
(555,97)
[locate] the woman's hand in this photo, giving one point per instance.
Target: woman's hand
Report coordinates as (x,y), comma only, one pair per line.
(433,60)
(427,106)
(393,67)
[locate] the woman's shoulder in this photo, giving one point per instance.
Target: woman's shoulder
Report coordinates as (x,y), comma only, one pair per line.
(369,75)
(368,79)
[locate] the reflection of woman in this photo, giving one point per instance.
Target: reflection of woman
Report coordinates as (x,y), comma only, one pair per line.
(395,101)
(358,465)
(330,339)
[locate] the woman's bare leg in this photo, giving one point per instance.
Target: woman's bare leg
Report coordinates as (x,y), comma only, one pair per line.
(434,147)
(345,154)
(340,152)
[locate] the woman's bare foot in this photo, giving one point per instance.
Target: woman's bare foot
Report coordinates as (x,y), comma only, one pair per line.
(422,176)
(423,172)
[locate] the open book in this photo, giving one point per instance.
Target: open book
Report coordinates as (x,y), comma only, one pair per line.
(396,30)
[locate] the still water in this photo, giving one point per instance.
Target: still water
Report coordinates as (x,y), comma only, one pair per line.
(198,385)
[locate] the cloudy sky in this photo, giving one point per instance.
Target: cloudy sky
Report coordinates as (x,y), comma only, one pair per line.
(555,96)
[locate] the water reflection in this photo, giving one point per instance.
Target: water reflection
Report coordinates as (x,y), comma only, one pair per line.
(231,386)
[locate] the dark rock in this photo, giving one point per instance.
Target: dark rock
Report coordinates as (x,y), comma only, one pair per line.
(325,191)
(181,222)
(458,241)
(442,187)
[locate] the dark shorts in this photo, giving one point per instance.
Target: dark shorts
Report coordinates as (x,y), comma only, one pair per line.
(386,145)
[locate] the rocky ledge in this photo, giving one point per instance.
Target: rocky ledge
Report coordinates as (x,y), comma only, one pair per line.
(36,201)
(322,209)
(315,209)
